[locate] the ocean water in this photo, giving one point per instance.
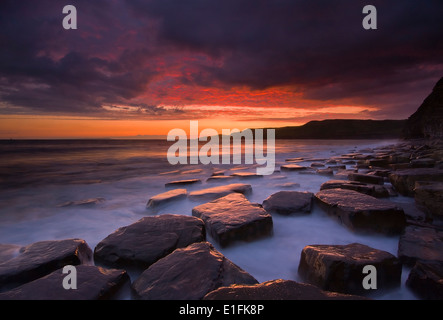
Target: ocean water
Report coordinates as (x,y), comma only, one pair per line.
(44,185)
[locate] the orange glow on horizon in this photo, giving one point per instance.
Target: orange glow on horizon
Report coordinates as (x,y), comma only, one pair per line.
(44,127)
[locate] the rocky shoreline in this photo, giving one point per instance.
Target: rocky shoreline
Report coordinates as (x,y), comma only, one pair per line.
(175,260)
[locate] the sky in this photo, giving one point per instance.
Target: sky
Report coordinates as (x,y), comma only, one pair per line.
(142,68)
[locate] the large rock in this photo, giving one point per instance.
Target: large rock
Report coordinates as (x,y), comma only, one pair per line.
(166,197)
(425,280)
(340,267)
(147,240)
(189,274)
(276,290)
(429,196)
(41,258)
(427,121)
(93,283)
(361,212)
(373,190)
(232,218)
(366,178)
(289,202)
(420,243)
(220,191)
(404,180)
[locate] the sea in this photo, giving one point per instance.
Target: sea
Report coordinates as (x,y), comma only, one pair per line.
(58,189)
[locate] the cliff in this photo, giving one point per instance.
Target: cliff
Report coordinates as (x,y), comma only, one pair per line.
(427,121)
(344,129)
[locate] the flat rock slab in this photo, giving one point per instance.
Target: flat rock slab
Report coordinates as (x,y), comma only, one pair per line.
(292,167)
(166,197)
(277,290)
(325,172)
(429,196)
(93,283)
(366,178)
(361,212)
(404,180)
(373,190)
(41,258)
(246,175)
(86,202)
(425,280)
(144,242)
(420,243)
(233,218)
(189,274)
(289,202)
(220,191)
(182,182)
(340,267)
(219,178)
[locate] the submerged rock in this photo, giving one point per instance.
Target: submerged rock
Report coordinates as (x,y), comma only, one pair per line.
(189,274)
(220,191)
(289,202)
(93,283)
(276,290)
(340,267)
(361,212)
(86,202)
(166,197)
(232,218)
(147,240)
(41,258)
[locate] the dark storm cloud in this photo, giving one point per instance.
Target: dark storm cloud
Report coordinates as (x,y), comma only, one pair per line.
(266,43)
(316,47)
(46,68)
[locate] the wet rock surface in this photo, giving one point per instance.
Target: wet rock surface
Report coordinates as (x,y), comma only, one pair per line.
(429,196)
(93,283)
(178,183)
(426,280)
(366,178)
(147,240)
(289,202)
(166,197)
(220,191)
(361,212)
(339,267)
(277,290)
(233,218)
(374,190)
(41,258)
(404,180)
(420,243)
(189,274)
